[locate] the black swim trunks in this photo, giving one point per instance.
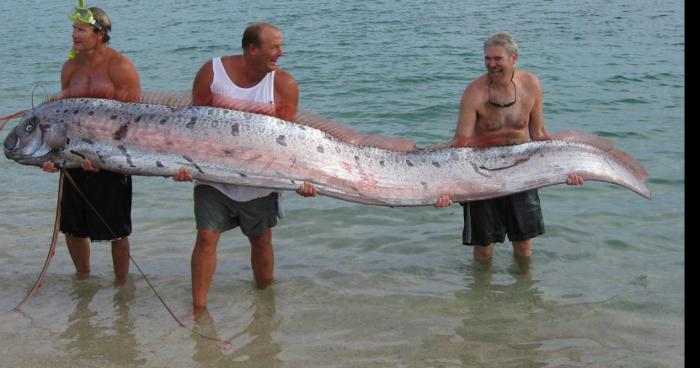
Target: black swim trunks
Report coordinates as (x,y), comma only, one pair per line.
(109,193)
(487,221)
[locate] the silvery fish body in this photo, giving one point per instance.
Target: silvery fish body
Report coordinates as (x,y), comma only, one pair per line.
(231,146)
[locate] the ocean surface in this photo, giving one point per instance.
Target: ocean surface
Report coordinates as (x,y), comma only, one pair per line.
(356,285)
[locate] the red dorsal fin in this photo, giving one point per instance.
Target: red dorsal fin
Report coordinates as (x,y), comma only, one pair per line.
(585,138)
(606,145)
(175,98)
(349,135)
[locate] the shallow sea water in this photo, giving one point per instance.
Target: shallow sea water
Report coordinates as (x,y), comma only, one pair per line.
(363,286)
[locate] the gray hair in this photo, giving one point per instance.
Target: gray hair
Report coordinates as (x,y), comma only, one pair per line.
(503,39)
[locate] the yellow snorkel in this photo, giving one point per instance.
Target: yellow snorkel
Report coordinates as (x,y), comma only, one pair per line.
(83,14)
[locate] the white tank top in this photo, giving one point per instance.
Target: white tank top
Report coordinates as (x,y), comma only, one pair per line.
(262,92)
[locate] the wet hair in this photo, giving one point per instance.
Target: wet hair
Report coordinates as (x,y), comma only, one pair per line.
(102,20)
(503,39)
(251,35)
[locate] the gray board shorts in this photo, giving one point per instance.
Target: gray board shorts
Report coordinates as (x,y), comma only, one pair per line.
(215,211)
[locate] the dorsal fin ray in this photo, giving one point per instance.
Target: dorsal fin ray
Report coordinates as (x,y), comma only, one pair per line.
(634,165)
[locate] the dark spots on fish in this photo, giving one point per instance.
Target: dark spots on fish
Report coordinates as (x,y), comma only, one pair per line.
(319,149)
(168,143)
(65,111)
(381,163)
(121,132)
(228,152)
(281,140)
(436,164)
(243,175)
(88,141)
(127,155)
(138,118)
(57,111)
(163,121)
(193,163)
(235,130)
(409,163)
(67,141)
(425,185)
(91,113)
(113,117)
(159,164)
(192,122)
(76,112)
(337,149)
(357,158)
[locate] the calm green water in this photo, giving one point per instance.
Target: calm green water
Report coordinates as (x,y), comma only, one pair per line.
(361,286)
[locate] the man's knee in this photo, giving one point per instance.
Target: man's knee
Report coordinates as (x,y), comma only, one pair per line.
(483,253)
(522,248)
(207,240)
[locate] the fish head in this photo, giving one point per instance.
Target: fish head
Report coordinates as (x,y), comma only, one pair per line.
(35,139)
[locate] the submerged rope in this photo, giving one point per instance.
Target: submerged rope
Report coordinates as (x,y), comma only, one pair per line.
(52,248)
(224,344)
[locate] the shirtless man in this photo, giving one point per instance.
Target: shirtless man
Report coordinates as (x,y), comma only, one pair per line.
(502,107)
(96,70)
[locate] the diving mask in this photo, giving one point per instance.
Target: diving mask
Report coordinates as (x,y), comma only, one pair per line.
(83,14)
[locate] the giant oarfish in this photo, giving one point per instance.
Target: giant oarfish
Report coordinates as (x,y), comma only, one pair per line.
(230,146)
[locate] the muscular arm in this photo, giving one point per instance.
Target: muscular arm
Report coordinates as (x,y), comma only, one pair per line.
(466,121)
(66,72)
(127,85)
(201,87)
(286,96)
(538,131)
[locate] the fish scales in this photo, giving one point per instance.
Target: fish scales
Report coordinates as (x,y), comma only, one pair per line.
(245,148)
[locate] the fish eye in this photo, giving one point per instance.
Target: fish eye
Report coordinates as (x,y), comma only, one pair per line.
(28,128)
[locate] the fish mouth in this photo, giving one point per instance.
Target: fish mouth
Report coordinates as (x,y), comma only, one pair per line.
(27,154)
(10,142)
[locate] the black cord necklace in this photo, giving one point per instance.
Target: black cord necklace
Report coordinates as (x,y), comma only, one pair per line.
(515,97)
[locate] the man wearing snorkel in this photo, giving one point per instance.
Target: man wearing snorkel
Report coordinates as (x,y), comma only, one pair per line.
(95,70)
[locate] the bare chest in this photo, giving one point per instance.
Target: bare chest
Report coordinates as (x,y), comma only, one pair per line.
(492,119)
(90,83)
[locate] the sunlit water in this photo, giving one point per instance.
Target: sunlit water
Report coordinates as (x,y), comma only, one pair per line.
(362,286)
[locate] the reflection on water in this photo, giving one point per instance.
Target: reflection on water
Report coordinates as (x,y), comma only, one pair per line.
(499,311)
(89,339)
(257,349)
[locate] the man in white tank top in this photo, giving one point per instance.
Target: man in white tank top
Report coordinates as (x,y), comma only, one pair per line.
(255,78)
